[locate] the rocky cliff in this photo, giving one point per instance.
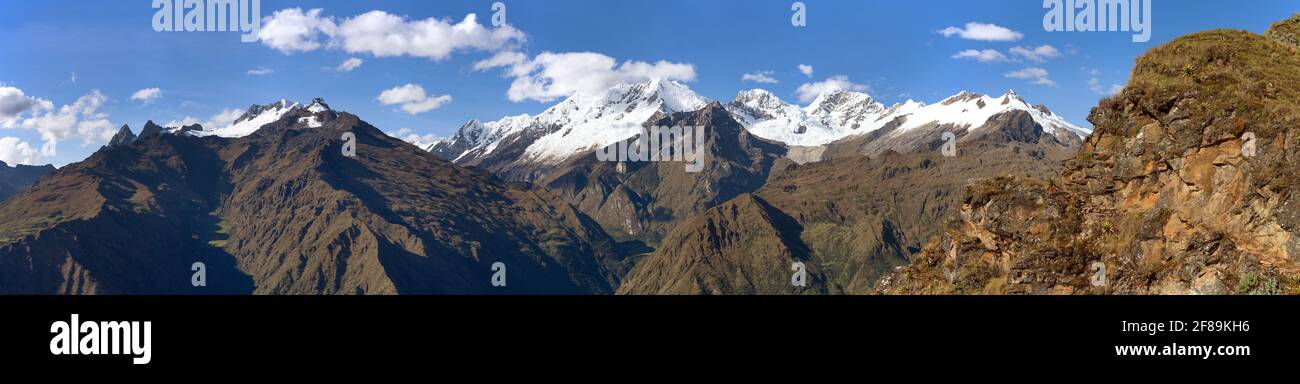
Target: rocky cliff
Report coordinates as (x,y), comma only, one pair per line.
(1188,185)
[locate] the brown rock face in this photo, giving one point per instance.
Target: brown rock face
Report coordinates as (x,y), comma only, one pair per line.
(1187,186)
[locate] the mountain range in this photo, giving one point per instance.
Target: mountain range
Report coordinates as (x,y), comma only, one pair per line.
(283,210)
(527,147)
(1184,181)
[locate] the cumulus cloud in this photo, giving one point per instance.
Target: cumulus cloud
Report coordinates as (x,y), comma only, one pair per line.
(809,91)
(410,136)
(260,71)
(14,102)
(1035,75)
(220,120)
(79,120)
(759,77)
(983,56)
(412,98)
(293,30)
(16,151)
(549,75)
(147,95)
(1038,54)
(982,32)
(806,69)
(382,34)
(349,64)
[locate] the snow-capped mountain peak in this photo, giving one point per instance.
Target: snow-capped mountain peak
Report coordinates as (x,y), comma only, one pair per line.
(972,110)
(832,115)
(257,116)
(584,122)
(578,123)
(837,114)
(318,105)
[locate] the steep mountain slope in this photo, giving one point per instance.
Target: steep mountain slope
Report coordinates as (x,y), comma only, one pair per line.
(123,136)
(639,200)
(850,220)
(1188,185)
(527,147)
(283,211)
(18,177)
(743,246)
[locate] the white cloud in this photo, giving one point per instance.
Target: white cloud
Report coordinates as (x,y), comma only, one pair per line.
(511,59)
(983,56)
(182,122)
(1035,75)
(293,30)
(220,120)
(759,77)
(226,117)
(1095,85)
(81,119)
(549,76)
(260,71)
(383,34)
(147,95)
(412,98)
(15,151)
(806,69)
(809,91)
(13,102)
(1038,55)
(349,64)
(407,135)
(982,32)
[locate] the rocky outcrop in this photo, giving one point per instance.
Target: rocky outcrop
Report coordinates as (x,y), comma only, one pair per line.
(124,136)
(150,129)
(1188,185)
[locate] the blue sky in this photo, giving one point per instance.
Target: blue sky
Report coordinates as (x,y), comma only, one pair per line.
(894,49)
